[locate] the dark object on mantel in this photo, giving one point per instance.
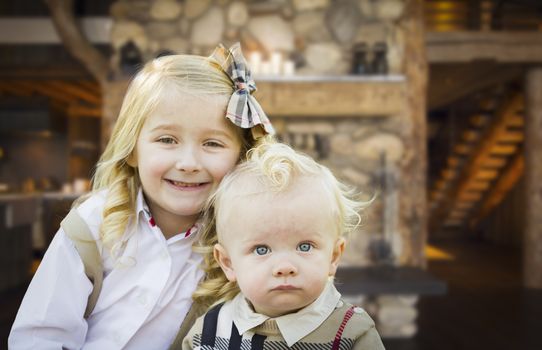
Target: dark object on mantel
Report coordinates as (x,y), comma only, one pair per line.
(130,58)
(360,62)
(378,280)
(379,65)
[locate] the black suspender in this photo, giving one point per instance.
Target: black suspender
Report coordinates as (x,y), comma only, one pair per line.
(257,342)
(235,338)
(209,326)
(208,335)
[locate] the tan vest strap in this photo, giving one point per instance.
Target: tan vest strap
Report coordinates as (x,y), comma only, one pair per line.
(78,231)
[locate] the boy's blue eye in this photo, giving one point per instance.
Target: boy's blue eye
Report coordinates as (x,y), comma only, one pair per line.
(261,250)
(304,247)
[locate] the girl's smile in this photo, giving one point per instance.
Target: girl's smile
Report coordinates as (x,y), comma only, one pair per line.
(187,186)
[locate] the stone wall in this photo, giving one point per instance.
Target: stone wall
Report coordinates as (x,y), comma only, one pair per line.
(318,35)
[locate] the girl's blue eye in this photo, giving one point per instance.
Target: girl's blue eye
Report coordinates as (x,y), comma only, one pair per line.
(261,250)
(213,144)
(166,140)
(304,247)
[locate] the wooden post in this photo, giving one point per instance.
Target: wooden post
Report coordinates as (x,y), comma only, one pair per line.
(414,181)
(532,243)
(113,96)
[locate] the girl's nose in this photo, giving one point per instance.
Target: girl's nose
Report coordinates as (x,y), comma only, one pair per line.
(284,269)
(188,161)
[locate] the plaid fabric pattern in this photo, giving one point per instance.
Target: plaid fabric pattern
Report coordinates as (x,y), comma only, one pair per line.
(223,344)
(243,109)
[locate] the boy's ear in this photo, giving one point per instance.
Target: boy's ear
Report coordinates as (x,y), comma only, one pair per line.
(336,256)
(223,259)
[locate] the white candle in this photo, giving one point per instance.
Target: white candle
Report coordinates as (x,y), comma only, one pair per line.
(265,68)
(255,62)
(276,63)
(288,68)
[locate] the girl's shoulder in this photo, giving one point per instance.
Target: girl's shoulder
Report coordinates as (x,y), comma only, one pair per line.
(91,211)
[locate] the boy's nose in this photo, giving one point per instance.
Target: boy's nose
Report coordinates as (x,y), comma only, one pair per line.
(284,269)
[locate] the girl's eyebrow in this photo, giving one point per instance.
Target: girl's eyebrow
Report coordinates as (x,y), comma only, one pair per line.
(212,132)
(219,132)
(165,126)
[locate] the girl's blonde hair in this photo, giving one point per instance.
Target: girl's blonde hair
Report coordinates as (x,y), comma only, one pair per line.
(275,167)
(188,74)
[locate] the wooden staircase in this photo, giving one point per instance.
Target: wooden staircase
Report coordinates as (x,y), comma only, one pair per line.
(485,164)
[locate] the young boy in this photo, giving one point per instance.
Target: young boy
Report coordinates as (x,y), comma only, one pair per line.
(280,220)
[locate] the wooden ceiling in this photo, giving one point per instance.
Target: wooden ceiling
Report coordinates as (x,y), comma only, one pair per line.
(75,98)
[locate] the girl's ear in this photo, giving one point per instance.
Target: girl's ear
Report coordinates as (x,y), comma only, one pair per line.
(336,256)
(132,159)
(223,259)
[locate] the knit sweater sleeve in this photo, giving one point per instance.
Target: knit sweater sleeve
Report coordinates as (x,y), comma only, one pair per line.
(369,340)
(362,329)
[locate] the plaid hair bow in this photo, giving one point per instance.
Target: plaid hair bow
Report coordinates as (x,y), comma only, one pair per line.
(243,109)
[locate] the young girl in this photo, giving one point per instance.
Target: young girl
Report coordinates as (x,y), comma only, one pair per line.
(280,219)
(183,125)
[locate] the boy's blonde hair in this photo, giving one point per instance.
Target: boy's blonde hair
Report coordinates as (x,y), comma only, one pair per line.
(275,167)
(191,75)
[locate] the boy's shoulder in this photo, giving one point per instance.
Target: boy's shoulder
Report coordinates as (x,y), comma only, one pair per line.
(353,320)
(354,317)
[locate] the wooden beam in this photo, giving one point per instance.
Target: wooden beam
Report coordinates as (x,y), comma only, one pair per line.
(76,110)
(76,91)
(43,73)
(8,88)
(90,86)
(451,82)
(532,239)
(414,211)
(74,40)
(322,97)
(45,91)
(505,46)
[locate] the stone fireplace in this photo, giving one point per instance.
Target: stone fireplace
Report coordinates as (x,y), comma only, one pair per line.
(360,126)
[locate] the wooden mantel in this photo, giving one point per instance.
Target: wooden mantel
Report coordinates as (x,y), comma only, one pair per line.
(332,96)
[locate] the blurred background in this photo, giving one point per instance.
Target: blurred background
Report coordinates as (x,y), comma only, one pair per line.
(435,105)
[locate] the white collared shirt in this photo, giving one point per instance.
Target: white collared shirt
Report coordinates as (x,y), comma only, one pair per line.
(143,300)
(292,327)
